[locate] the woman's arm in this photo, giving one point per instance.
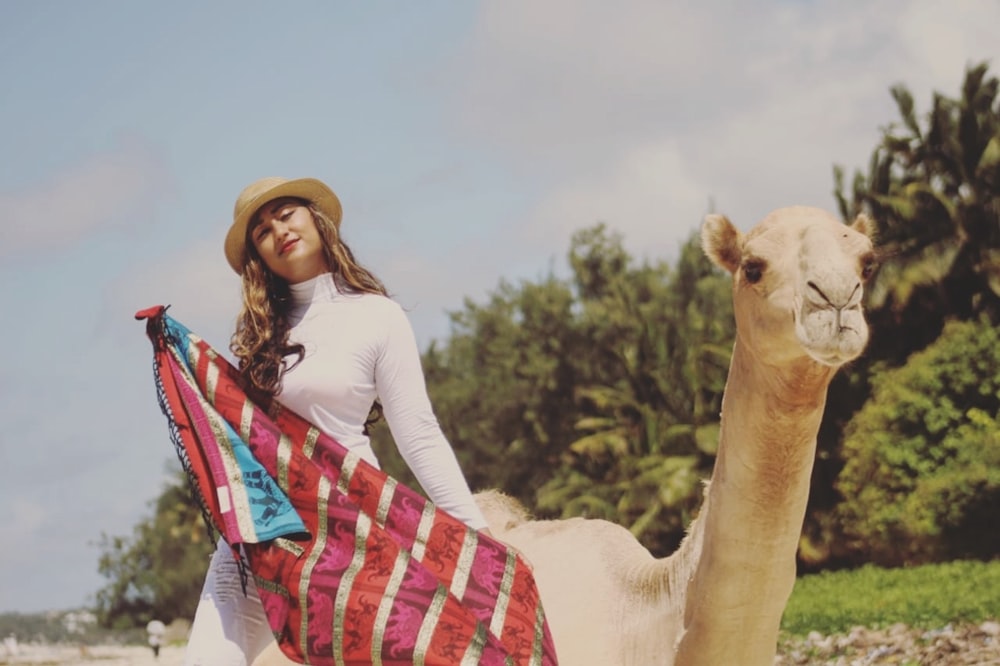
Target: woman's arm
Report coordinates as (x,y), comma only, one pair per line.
(402,390)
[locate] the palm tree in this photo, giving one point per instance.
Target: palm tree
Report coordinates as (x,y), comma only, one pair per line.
(649,403)
(935,193)
(933,188)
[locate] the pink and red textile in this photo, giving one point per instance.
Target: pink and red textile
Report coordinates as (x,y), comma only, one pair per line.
(352,567)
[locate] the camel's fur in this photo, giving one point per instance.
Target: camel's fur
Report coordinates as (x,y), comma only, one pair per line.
(718,600)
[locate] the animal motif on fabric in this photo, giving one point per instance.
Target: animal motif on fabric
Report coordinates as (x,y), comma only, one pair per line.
(351,566)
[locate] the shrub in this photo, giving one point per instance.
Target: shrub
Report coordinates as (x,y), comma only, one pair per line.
(921,480)
(924,597)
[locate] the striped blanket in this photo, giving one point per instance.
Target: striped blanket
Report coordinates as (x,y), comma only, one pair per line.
(351,566)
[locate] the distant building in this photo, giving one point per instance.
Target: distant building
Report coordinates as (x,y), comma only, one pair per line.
(77,622)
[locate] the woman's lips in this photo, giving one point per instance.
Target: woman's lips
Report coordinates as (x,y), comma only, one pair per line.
(288,246)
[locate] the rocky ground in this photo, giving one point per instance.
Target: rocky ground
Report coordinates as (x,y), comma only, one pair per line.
(960,645)
(949,646)
(47,655)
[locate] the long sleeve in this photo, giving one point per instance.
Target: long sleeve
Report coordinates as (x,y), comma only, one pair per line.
(359,347)
(401,387)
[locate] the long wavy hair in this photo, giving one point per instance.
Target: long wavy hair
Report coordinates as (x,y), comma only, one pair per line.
(260,341)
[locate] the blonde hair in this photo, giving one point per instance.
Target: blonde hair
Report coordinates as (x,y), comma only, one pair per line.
(260,341)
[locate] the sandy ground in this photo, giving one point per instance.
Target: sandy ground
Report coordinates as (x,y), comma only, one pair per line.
(94,656)
(963,645)
(107,655)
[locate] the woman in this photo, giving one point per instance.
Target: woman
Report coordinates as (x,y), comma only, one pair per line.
(317,331)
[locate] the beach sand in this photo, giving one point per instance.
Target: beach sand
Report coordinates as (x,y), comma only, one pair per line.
(101,655)
(109,655)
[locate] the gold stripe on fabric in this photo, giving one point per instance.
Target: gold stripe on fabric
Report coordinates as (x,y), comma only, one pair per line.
(193,352)
(289,546)
(310,444)
(463,568)
(220,433)
(428,626)
(246,420)
(322,497)
(211,376)
(423,532)
(234,475)
(536,646)
(347,471)
(385,606)
(271,586)
(385,501)
(363,527)
(211,381)
(475,650)
(503,596)
(284,455)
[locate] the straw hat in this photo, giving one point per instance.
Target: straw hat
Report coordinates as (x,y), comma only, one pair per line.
(258,193)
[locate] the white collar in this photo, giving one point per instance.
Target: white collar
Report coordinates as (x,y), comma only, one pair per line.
(320,289)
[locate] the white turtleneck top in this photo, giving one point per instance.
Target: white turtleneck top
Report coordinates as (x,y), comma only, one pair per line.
(359,347)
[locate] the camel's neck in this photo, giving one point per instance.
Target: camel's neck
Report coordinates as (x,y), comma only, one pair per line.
(747,534)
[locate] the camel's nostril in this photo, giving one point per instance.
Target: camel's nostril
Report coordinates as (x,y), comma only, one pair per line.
(812,285)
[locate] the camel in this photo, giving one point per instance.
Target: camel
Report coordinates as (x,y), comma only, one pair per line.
(798,281)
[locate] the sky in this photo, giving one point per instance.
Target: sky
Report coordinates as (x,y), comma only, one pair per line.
(467,140)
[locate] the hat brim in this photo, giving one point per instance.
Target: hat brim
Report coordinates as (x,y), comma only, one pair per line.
(310,189)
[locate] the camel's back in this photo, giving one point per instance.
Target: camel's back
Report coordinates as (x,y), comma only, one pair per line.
(590,576)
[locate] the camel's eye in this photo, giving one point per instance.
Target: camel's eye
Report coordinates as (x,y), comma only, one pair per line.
(753,270)
(869,264)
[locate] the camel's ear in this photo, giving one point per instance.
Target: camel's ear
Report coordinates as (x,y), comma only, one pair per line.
(865,225)
(722,242)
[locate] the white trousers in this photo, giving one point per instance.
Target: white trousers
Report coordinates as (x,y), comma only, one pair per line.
(229,629)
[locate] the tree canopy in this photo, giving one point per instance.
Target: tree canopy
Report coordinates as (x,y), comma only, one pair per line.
(921,480)
(598,394)
(158,571)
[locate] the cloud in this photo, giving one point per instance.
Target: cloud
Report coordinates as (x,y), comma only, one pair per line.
(648,195)
(27,519)
(201,288)
(556,74)
(940,38)
(96,194)
(638,114)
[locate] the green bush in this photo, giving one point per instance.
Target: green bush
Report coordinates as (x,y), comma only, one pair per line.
(924,597)
(921,479)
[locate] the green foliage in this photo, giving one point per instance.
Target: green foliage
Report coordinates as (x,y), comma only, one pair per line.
(503,385)
(597,396)
(649,412)
(933,188)
(925,597)
(934,192)
(921,480)
(159,570)
(73,627)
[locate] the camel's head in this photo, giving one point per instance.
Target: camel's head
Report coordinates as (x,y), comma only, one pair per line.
(798,280)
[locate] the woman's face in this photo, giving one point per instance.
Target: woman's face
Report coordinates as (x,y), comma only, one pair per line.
(285,235)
